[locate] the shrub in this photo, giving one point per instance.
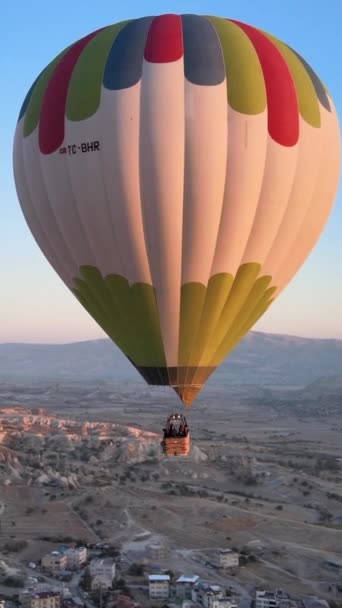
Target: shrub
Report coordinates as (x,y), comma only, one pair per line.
(15,546)
(14,581)
(136,570)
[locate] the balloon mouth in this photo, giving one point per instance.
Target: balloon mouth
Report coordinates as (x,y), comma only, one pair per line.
(187,393)
(185,381)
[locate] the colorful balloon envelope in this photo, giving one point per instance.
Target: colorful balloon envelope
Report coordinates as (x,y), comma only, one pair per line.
(176,171)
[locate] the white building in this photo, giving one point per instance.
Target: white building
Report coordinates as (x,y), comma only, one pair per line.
(2,602)
(102,572)
(211,596)
(159,586)
(203,593)
(221,602)
(54,562)
(227,558)
(76,558)
(157,551)
(185,585)
(43,599)
(271,599)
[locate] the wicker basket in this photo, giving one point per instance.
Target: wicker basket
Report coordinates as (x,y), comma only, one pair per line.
(176,446)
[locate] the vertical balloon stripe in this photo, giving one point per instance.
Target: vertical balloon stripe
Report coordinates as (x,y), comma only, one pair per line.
(51,123)
(67,223)
(148,341)
(203,61)
(204,177)
(124,64)
(325,186)
(27,99)
(217,293)
(258,293)
(35,102)
(93,298)
(233,338)
(308,163)
(121,182)
(306,94)
(245,81)
(120,107)
(88,196)
(260,310)
(40,189)
(319,87)
(282,105)
(238,294)
(84,92)
(27,203)
(204,172)
(247,146)
(164,41)
(278,180)
(204,180)
(162,138)
(192,301)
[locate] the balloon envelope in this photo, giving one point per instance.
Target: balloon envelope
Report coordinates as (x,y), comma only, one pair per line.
(176,171)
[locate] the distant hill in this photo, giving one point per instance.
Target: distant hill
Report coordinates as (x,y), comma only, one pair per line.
(327,385)
(260,359)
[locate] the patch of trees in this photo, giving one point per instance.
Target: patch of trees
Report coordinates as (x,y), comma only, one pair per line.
(121,585)
(13,581)
(63,539)
(324,515)
(89,499)
(85,581)
(251,480)
(99,597)
(136,570)
(334,496)
(110,551)
(170,573)
(327,463)
(15,546)
(246,557)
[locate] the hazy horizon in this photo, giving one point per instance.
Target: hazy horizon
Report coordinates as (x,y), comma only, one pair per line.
(105,337)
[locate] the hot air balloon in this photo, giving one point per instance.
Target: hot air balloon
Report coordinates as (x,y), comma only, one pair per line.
(176,171)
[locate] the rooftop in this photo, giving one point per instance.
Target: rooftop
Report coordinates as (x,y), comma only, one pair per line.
(45,594)
(314,602)
(158,577)
(268,594)
(193,578)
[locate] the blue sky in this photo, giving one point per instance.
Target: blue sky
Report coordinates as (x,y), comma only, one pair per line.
(35,306)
